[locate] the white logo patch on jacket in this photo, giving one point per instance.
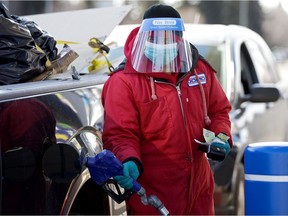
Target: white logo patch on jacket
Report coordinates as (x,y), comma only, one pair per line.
(193,80)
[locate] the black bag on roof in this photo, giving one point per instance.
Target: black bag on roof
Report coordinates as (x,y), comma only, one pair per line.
(20,60)
(42,38)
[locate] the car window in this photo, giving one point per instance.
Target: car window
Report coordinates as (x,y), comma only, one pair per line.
(248,74)
(261,62)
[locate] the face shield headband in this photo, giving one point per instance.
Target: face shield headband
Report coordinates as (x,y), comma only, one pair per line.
(160,46)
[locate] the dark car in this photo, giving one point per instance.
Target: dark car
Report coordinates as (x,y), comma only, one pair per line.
(47,128)
(34,117)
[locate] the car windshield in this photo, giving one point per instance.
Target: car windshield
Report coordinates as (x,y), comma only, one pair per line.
(215,55)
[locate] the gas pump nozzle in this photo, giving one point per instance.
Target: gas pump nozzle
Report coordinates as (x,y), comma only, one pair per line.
(153,201)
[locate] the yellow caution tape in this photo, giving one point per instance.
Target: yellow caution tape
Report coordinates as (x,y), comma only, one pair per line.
(48,62)
(97,46)
(67,42)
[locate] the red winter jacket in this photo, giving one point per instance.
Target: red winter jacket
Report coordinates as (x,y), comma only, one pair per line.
(159,134)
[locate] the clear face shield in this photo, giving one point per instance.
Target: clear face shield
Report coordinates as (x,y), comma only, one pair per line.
(160,46)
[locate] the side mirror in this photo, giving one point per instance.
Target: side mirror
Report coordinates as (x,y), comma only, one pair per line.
(62,162)
(263,93)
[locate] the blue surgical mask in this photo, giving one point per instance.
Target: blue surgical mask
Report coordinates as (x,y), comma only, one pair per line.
(160,54)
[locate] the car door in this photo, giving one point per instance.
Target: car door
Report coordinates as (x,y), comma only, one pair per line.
(261,121)
(31,123)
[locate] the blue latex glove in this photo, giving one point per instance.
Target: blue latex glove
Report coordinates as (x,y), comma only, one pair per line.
(222,144)
(130,173)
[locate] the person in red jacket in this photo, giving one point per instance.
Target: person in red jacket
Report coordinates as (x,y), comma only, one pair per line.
(156,107)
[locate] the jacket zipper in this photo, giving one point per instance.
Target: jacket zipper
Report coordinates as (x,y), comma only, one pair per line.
(190,157)
(181,104)
(179,96)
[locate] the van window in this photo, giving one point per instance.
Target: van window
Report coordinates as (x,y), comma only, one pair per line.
(248,73)
(264,70)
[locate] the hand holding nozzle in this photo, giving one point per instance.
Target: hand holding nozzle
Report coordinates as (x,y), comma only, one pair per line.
(105,168)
